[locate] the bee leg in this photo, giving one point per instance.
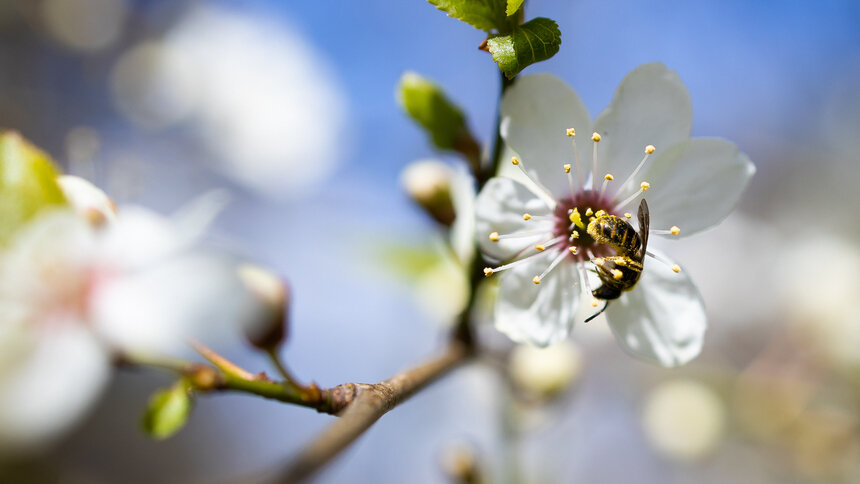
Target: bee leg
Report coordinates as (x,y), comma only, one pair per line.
(598,313)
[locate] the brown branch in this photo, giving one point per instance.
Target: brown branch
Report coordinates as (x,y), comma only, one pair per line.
(362,405)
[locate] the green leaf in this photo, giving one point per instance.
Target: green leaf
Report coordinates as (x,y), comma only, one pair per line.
(513,6)
(28,183)
(481,14)
(168,411)
(534,41)
(425,102)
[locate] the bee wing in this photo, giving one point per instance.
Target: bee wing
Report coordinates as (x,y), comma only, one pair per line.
(644,225)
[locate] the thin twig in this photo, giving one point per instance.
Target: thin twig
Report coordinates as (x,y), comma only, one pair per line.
(222,363)
(369,404)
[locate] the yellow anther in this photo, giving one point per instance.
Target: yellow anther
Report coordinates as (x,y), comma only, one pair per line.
(627,214)
(650,149)
(515,160)
(644,186)
(570,132)
(488,271)
(575,234)
(598,261)
(576,218)
(536,280)
(572,250)
(595,137)
(540,247)
(617,275)
(527,216)
(594,303)
(676,268)
(621,262)
(589,212)
(608,177)
(494,236)
(600,213)
(675,230)
(567,168)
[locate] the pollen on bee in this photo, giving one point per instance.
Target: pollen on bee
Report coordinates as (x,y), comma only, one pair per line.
(608,177)
(621,262)
(515,160)
(540,247)
(627,214)
(488,271)
(600,213)
(494,236)
(617,275)
(567,167)
(536,280)
(570,132)
(644,186)
(676,268)
(598,261)
(595,137)
(650,149)
(527,216)
(675,230)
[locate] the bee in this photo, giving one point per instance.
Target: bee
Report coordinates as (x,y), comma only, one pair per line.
(620,272)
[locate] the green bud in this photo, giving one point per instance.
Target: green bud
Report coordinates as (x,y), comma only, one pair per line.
(28,183)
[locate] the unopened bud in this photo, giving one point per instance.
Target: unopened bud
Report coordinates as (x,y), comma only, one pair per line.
(460,463)
(87,200)
(428,182)
(269,329)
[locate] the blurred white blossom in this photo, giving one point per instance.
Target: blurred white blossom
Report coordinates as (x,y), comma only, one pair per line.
(72,294)
(258,95)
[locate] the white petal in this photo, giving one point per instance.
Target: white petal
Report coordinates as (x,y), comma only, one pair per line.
(696,184)
(539,314)
(536,112)
(140,237)
(159,307)
(49,386)
(651,107)
(463,228)
(499,208)
(662,319)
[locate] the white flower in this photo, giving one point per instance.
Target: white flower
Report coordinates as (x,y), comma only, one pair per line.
(640,142)
(72,294)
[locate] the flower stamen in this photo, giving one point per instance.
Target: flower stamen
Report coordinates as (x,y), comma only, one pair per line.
(519,164)
(643,187)
(572,134)
(675,230)
(606,179)
(495,236)
(489,271)
(596,138)
(562,254)
(648,151)
(675,267)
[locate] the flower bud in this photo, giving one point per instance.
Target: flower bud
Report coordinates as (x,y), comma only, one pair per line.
(269,329)
(87,200)
(428,182)
(545,372)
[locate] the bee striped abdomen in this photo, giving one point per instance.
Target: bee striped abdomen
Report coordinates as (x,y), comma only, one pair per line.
(615,232)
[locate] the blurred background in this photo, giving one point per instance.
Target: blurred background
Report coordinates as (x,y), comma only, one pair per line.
(291,106)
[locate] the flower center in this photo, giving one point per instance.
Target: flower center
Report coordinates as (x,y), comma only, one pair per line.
(572,216)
